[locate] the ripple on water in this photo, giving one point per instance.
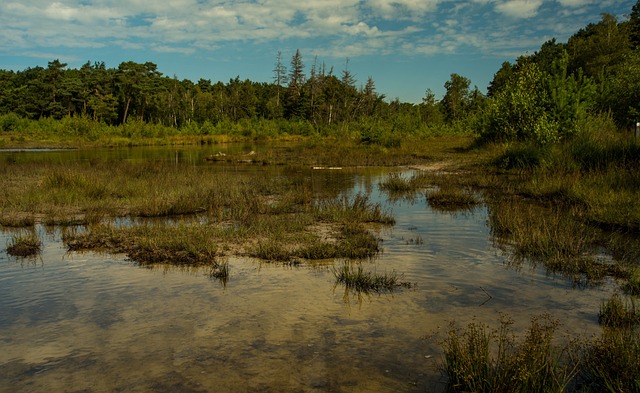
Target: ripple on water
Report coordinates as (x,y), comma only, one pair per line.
(99,322)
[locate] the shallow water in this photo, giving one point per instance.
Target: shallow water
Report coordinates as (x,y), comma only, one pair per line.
(98,323)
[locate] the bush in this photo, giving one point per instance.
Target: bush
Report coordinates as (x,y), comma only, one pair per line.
(523,156)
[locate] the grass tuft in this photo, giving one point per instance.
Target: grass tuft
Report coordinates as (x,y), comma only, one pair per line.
(611,363)
(618,312)
(451,199)
(24,244)
(632,286)
(362,281)
(220,272)
(480,360)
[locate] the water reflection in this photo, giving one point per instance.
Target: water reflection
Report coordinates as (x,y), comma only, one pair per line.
(97,323)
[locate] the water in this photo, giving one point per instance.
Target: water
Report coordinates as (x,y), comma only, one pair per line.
(99,323)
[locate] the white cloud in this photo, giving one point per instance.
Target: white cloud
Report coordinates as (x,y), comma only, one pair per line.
(574,3)
(519,8)
(333,27)
(409,9)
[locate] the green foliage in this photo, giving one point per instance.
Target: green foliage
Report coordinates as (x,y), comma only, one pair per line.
(542,98)
(518,112)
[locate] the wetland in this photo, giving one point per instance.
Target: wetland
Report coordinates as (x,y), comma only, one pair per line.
(290,267)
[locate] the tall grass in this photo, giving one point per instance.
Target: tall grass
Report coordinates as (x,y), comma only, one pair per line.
(611,363)
(632,286)
(477,359)
(356,209)
(548,236)
(619,312)
(480,360)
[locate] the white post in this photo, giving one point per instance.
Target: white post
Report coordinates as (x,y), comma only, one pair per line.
(637,130)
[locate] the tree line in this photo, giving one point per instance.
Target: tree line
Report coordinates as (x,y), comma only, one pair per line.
(544,96)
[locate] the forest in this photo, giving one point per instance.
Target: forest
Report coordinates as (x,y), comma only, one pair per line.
(543,97)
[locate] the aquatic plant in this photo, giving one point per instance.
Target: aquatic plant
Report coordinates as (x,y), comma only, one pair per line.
(396,182)
(632,286)
(220,272)
(356,209)
(358,279)
(24,244)
(479,360)
(611,363)
(451,199)
(619,312)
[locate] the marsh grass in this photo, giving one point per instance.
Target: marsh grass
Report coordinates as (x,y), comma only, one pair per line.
(477,359)
(220,272)
(356,209)
(24,244)
(353,241)
(632,286)
(13,220)
(361,281)
(256,231)
(183,244)
(550,236)
(452,199)
(611,363)
(619,312)
(396,182)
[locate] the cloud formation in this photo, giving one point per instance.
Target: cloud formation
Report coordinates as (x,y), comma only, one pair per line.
(519,8)
(334,27)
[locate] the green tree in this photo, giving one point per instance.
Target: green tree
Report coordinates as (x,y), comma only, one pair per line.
(623,97)
(456,98)
(431,112)
(598,47)
(500,79)
(136,83)
(295,91)
(634,26)
(571,96)
(519,111)
(52,82)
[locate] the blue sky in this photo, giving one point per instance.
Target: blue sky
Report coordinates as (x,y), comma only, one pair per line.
(406,46)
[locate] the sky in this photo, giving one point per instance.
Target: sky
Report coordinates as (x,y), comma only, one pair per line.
(405,46)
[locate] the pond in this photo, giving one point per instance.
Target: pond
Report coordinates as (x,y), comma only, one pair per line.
(98,322)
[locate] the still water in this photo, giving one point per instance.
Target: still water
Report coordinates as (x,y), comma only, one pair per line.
(99,323)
